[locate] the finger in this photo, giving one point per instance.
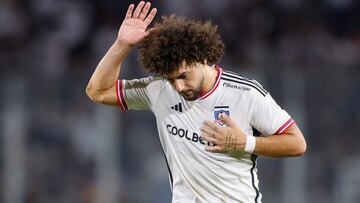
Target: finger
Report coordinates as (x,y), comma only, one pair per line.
(228,121)
(207,131)
(209,139)
(138,9)
(145,11)
(150,31)
(215,149)
(129,11)
(211,125)
(150,17)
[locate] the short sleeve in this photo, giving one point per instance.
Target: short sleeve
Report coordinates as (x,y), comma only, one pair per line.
(138,94)
(267,116)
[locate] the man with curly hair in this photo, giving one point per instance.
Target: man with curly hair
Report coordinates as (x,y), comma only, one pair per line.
(212,123)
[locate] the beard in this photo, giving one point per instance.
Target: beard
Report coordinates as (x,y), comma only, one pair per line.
(191,95)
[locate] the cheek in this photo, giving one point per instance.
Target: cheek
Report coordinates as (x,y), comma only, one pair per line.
(196,85)
(191,83)
(194,81)
(197,82)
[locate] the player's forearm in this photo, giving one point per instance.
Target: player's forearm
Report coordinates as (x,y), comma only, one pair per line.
(108,70)
(292,143)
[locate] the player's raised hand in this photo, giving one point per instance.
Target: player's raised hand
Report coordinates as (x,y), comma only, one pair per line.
(134,27)
(226,139)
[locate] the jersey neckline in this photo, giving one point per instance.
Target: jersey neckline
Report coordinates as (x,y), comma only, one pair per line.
(218,78)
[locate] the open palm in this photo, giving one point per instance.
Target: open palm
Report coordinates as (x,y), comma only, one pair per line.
(133,28)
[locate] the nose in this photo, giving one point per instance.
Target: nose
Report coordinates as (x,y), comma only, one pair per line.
(179,85)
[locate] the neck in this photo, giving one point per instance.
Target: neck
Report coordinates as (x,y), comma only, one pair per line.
(210,74)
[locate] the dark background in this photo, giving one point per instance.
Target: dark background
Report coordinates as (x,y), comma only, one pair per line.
(58,146)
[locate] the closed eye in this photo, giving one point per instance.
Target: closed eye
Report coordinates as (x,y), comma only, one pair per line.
(183,75)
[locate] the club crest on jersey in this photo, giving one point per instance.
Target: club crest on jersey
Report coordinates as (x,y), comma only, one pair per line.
(219,110)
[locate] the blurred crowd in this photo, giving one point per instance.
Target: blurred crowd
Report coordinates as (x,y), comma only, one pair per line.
(49,49)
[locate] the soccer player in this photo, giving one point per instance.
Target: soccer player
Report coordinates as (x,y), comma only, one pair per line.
(212,123)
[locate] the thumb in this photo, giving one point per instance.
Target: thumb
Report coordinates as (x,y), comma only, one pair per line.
(228,121)
(150,31)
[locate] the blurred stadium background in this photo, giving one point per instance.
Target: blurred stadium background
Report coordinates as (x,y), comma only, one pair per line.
(59,147)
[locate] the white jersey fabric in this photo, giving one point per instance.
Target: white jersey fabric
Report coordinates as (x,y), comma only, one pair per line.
(195,174)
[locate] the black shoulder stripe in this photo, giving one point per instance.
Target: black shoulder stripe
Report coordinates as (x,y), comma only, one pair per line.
(231,72)
(256,133)
(253,159)
(246,79)
(245,83)
(237,76)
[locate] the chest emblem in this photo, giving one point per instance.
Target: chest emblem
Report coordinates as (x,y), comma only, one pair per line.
(217,114)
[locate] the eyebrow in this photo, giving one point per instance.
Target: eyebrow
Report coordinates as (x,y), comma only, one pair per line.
(179,76)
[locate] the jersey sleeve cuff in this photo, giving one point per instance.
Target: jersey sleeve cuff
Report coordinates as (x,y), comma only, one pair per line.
(121,95)
(290,122)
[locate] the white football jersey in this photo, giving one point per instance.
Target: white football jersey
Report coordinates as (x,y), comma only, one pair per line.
(195,174)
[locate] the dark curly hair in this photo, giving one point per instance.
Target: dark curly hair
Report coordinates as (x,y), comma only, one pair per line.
(176,39)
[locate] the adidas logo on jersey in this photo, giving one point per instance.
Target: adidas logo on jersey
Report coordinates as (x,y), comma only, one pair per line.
(177,107)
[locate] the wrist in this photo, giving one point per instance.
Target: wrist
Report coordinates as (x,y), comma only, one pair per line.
(120,49)
(121,44)
(250,144)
